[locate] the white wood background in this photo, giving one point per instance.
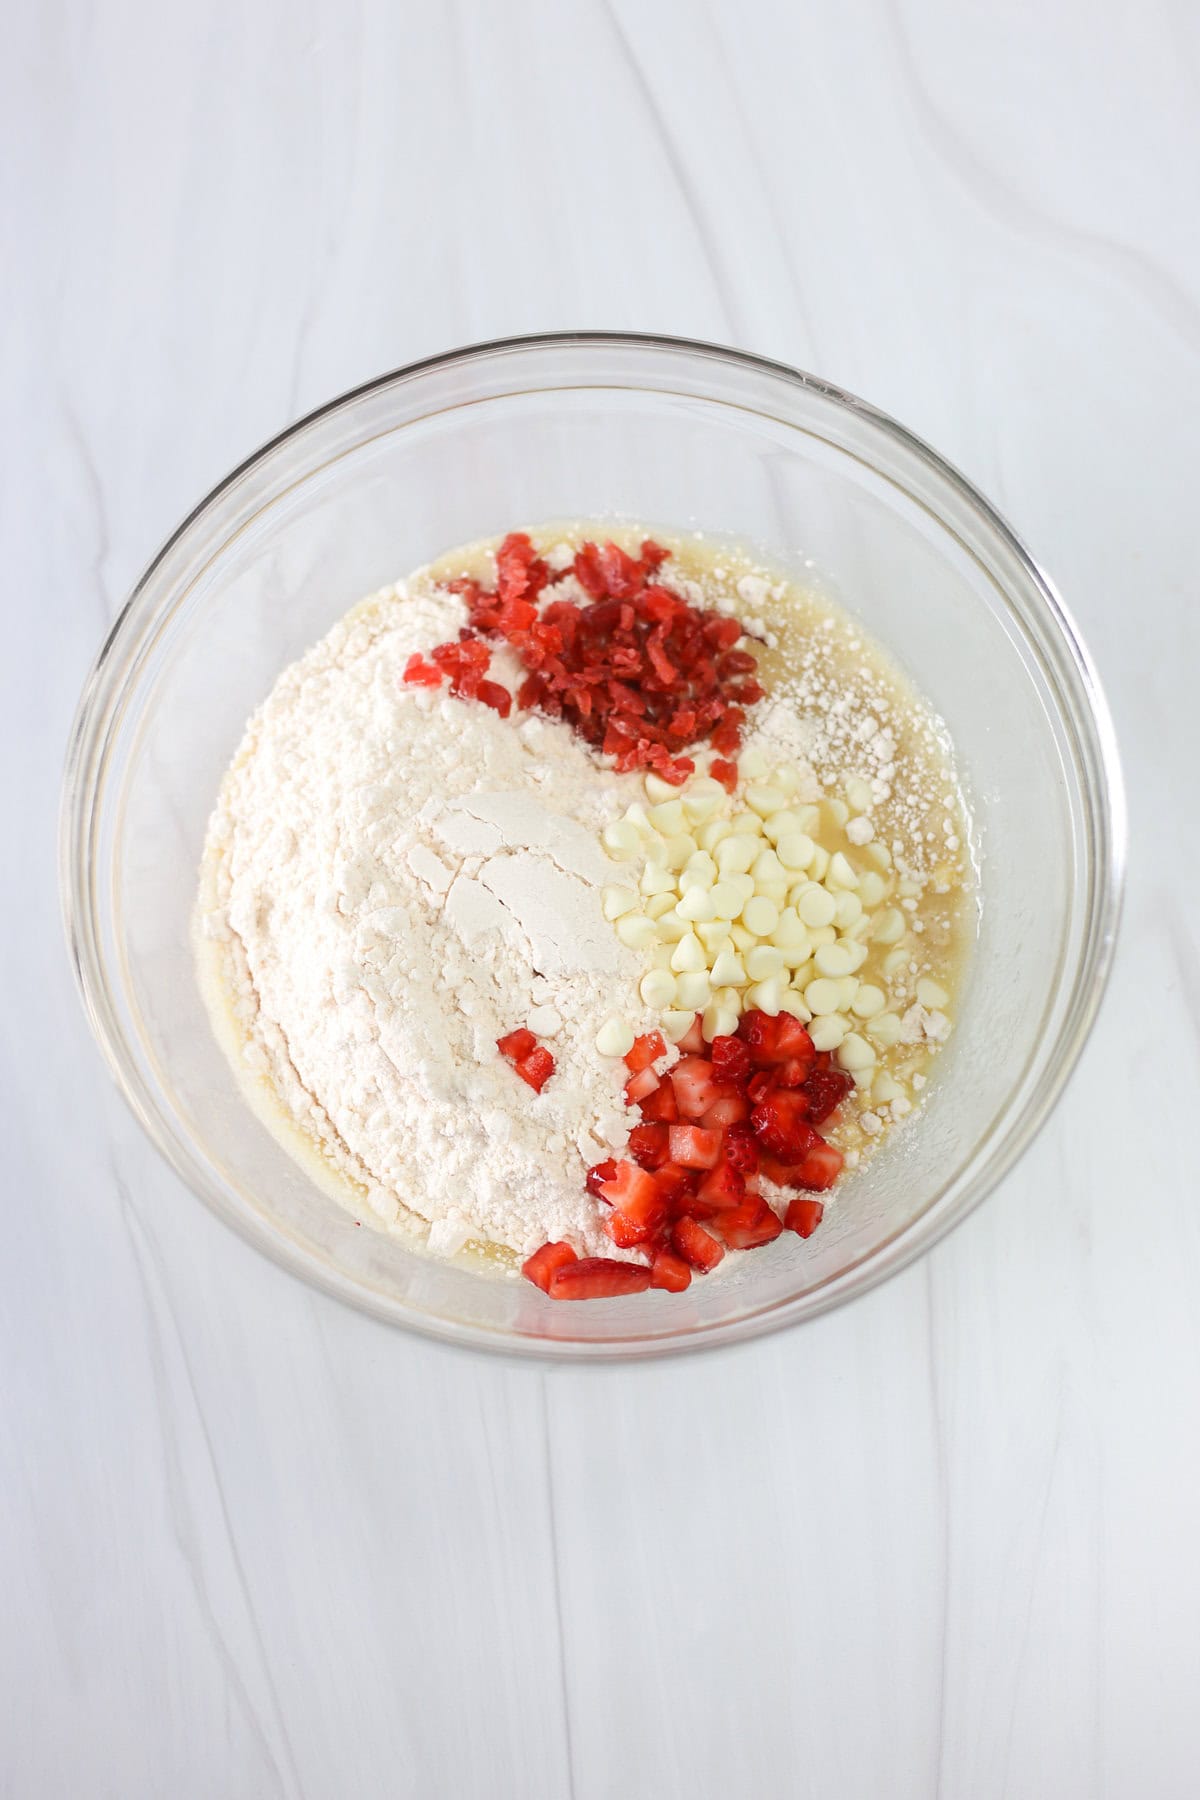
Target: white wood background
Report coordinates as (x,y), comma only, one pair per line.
(945,1543)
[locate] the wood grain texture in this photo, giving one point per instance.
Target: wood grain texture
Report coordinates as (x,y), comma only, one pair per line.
(943,1544)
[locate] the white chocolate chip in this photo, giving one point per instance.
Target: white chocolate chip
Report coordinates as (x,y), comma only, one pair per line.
(615,1037)
(657,988)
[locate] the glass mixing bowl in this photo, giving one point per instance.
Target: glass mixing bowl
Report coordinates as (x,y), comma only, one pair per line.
(674,434)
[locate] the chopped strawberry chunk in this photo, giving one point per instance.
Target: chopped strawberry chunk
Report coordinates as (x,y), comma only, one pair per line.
(723,1186)
(634,1193)
(536,1068)
(639,1086)
(741,1148)
(692,1041)
(598,1174)
(516,1045)
(674,1184)
(730,1059)
(626,1232)
(695,1089)
(648,1146)
(646,1049)
(731,1109)
(724,772)
(748,1226)
(803,1216)
(540,1267)
(693,1147)
(661,1105)
(758,1033)
(598,1278)
(820,1168)
(696,1245)
(826,1089)
(670,1272)
(781,1126)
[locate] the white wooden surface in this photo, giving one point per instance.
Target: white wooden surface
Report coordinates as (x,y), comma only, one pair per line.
(945,1543)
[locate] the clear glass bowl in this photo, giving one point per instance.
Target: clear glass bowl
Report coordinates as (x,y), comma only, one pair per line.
(679,435)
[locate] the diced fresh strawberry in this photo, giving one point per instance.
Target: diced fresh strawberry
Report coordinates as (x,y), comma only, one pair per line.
(821,1166)
(780,1125)
(692,1041)
(803,1216)
(826,1089)
(760,1084)
(674,1184)
(791,1074)
(670,1272)
(648,1146)
(598,1174)
(536,1068)
(639,1086)
(722,1187)
(741,1149)
(598,1278)
(661,1105)
(749,1225)
(540,1267)
(646,1049)
(730,1110)
(625,1232)
(758,1033)
(792,1041)
(633,1192)
(730,1059)
(516,1044)
(693,1147)
(695,1089)
(695,1245)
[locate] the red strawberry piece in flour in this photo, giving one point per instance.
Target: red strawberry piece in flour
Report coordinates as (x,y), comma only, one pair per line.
(670,1272)
(692,1147)
(803,1216)
(598,1278)
(696,1245)
(541,1266)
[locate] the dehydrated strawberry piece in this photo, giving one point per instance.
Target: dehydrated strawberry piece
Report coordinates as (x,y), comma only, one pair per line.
(724,772)
(826,1089)
(498,698)
(670,1272)
(516,1044)
(803,1216)
(419,673)
(749,1226)
(598,1278)
(536,1068)
(646,1049)
(648,1146)
(695,1245)
(693,1147)
(540,1268)
(781,1126)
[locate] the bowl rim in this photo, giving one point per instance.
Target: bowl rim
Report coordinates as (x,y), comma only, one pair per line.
(97,712)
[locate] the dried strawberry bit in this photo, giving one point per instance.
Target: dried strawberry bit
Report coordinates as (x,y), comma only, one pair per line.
(541,1266)
(498,698)
(598,1278)
(637,670)
(724,772)
(516,1044)
(419,673)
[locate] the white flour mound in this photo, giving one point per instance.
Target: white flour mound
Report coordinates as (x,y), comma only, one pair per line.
(393,879)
